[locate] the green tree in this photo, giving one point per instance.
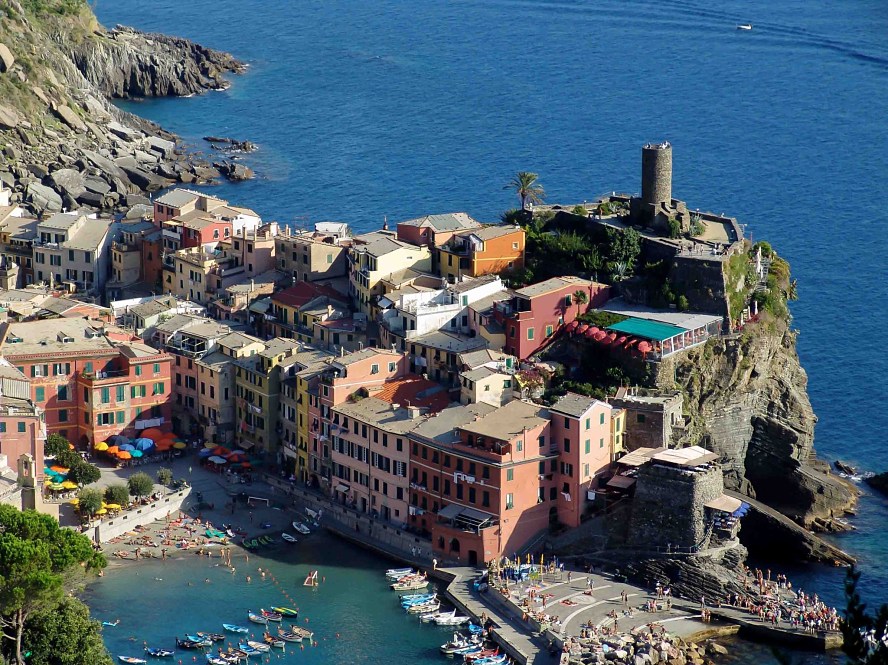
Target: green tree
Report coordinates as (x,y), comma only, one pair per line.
(580,210)
(624,246)
(528,189)
(164,476)
(682,303)
(84,473)
(65,635)
(39,562)
(118,494)
(68,458)
(55,445)
(90,500)
(140,484)
(580,298)
(858,622)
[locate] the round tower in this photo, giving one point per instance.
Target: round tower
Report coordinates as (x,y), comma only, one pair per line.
(656,174)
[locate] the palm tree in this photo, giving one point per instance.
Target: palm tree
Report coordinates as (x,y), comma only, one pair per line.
(580,298)
(525,185)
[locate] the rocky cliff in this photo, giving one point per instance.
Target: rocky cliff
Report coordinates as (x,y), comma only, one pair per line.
(746,399)
(62,144)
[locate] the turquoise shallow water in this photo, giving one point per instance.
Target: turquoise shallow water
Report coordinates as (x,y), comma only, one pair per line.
(355,616)
(400,108)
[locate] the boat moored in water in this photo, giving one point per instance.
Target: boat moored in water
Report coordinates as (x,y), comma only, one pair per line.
(745,26)
(286,611)
(159,653)
(132,659)
(232,628)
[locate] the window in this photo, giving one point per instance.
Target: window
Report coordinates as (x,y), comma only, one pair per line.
(121,415)
(39,394)
(2,428)
(588,423)
(588,446)
(104,419)
(640,417)
(485,499)
(549,331)
(567,300)
(157,368)
(138,370)
(471,495)
(566,445)
(602,419)
(21,427)
(530,333)
(585,470)
(374,368)
(121,393)
(520,446)
(510,474)
(106,395)
(601,443)
(63,415)
(138,391)
(392,367)
(158,388)
(510,501)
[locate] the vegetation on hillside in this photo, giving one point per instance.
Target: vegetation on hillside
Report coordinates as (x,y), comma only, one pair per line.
(862,631)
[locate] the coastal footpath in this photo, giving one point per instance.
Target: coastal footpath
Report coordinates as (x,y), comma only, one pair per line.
(63,145)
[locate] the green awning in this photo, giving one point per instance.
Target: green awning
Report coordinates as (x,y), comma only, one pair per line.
(646,329)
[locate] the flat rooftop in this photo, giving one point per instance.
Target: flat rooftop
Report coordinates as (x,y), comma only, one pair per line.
(446,341)
(686,320)
(442,427)
(379,413)
(42,337)
(507,422)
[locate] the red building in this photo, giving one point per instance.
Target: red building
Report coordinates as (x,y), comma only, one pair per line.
(535,313)
(22,430)
(483,481)
(91,381)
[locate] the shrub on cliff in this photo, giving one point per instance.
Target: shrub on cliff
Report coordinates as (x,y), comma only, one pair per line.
(65,634)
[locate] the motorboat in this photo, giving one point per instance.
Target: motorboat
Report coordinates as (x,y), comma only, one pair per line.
(247,649)
(200,640)
(286,611)
(159,653)
(259,646)
(272,616)
(412,585)
(450,619)
(491,660)
(745,26)
(417,599)
(132,659)
(458,641)
(232,628)
(192,644)
(398,573)
(287,537)
(213,637)
(481,655)
(216,660)
(257,618)
(272,641)
(301,528)
(295,634)
(424,609)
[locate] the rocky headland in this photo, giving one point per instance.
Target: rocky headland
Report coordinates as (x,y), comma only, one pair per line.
(63,145)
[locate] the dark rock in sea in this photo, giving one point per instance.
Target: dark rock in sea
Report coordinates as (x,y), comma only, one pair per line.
(235,172)
(128,63)
(878,482)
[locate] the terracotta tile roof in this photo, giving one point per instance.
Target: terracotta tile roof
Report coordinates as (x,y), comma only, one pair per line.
(304,292)
(416,391)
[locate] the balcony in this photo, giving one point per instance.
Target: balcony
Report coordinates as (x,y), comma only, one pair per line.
(105,374)
(124,246)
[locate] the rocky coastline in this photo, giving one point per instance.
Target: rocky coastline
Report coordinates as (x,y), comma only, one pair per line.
(63,145)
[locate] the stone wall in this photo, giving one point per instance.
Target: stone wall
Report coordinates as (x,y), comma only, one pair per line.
(668,506)
(702,282)
(105,530)
(649,422)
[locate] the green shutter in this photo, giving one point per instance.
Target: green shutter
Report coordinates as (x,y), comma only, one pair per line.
(40,394)
(120,417)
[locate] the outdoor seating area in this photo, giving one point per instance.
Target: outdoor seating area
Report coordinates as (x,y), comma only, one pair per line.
(152,445)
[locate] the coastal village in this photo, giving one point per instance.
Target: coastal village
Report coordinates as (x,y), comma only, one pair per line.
(426,387)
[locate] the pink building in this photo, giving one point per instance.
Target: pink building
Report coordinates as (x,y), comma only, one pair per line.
(22,430)
(370,450)
(581,435)
(535,313)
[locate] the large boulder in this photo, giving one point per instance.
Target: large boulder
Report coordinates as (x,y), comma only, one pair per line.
(9,118)
(66,181)
(69,117)
(96,185)
(145,180)
(92,200)
(44,198)
(6,59)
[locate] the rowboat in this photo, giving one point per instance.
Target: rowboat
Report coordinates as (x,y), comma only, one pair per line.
(295,634)
(256,618)
(286,611)
(458,641)
(232,628)
(216,660)
(410,586)
(159,653)
(213,637)
(192,644)
(398,573)
(301,528)
(481,655)
(492,660)
(288,537)
(745,26)
(259,646)
(247,649)
(272,616)
(431,616)
(200,640)
(429,598)
(450,619)
(132,659)
(424,609)
(273,641)
(414,598)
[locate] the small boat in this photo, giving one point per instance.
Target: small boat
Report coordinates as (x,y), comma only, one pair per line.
(431,616)
(311,579)
(297,633)
(288,636)
(313,514)
(290,539)
(424,609)
(491,660)
(159,653)
(213,637)
(475,629)
(272,616)
(132,659)
(216,660)
(191,644)
(247,649)
(111,623)
(257,618)
(745,26)
(481,655)
(230,533)
(259,646)
(232,628)
(458,641)
(200,640)
(286,611)
(414,596)
(301,528)
(273,641)
(450,619)
(266,540)
(413,585)
(398,573)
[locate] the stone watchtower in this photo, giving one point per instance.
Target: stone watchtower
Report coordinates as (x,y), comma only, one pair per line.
(656,174)
(656,206)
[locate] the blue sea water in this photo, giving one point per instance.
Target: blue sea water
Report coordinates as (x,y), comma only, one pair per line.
(397,108)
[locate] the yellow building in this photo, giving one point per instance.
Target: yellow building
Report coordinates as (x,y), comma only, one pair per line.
(618,429)
(373,257)
(294,409)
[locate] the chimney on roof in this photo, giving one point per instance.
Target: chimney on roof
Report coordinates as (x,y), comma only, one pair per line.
(395,407)
(385,223)
(414,412)
(329,310)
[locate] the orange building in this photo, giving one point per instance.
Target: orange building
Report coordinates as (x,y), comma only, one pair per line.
(482,479)
(487,251)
